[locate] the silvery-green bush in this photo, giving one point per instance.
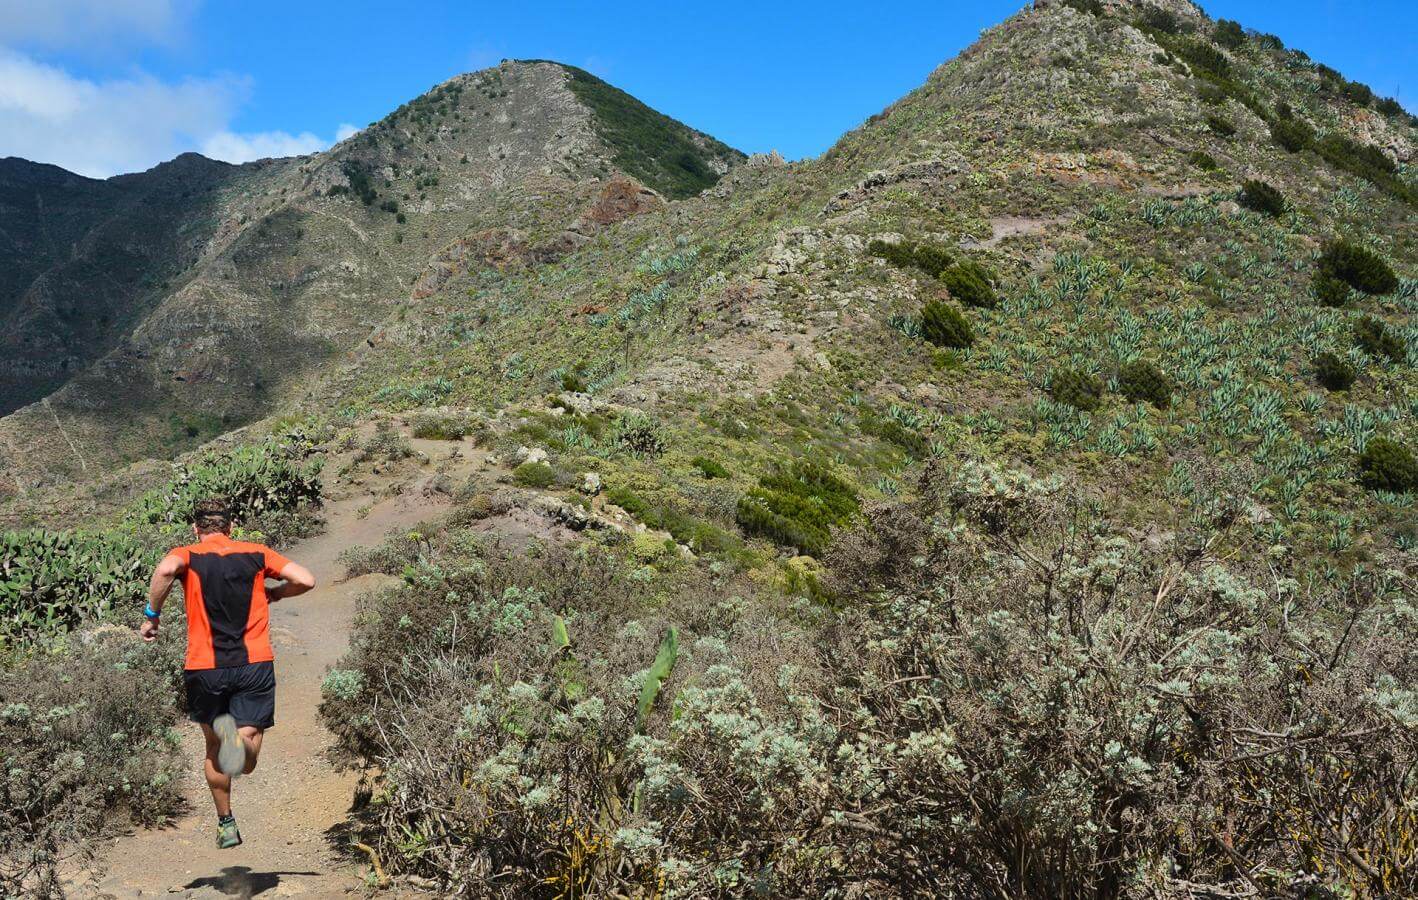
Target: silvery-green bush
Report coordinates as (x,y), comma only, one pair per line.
(1008,698)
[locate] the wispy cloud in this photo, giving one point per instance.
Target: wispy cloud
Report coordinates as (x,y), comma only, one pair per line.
(84,24)
(102,128)
(236,148)
(99,128)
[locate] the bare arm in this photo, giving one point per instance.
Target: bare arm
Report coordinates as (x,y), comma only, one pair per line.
(297,580)
(167,571)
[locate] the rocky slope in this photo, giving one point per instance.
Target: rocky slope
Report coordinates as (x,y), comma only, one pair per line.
(1088,155)
(167,307)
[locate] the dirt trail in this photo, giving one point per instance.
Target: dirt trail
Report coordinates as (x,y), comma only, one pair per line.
(287,806)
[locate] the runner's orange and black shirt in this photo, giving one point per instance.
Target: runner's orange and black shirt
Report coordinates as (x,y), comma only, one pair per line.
(224,588)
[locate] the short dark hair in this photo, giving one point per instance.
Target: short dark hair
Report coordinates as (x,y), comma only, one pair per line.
(211,515)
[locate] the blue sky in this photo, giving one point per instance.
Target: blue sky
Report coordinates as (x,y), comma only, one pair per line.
(106,86)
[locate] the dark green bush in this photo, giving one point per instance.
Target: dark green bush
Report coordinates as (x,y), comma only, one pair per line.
(360,184)
(1358,267)
(1376,339)
(1141,381)
(1387,465)
(1390,107)
(534,475)
(1077,389)
(798,507)
(1155,18)
(1210,94)
(971,284)
(1220,126)
(1203,160)
(933,259)
(944,326)
(1292,135)
(893,432)
(709,468)
(1206,58)
(1329,290)
(1262,198)
(1365,161)
(1092,7)
(697,534)
(1357,92)
(1334,372)
(1229,34)
(573,381)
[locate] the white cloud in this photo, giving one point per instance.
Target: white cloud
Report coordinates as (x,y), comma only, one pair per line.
(102,128)
(238,148)
(345,132)
(91,24)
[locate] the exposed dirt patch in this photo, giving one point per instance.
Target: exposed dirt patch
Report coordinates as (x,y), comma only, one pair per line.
(1003,228)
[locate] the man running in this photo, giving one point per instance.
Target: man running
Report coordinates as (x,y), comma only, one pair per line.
(229,674)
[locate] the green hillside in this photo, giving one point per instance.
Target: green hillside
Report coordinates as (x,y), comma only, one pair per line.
(1016,501)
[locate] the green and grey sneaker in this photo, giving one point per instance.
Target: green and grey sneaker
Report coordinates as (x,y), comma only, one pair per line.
(231,757)
(227,835)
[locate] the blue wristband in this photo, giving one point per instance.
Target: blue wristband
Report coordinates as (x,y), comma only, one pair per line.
(148,612)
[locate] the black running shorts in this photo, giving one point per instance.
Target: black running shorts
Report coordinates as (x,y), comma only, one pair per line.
(247,692)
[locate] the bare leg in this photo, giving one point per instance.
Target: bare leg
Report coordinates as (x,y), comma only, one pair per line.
(219,783)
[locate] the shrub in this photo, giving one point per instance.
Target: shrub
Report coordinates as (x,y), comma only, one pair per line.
(944,326)
(1210,94)
(709,468)
(1203,160)
(892,431)
(1018,683)
(432,427)
(1330,290)
(1206,58)
(53,582)
(970,283)
(1376,339)
(386,443)
(697,534)
(798,506)
(1365,161)
(1358,267)
(638,434)
(1077,389)
(1357,92)
(1390,107)
(1141,381)
(1334,372)
(1156,18)
(1262,198)
(933,259)
(1291,135)
(86,748)
(279,475)
(1229,34)
(534,475)
(1220,125)
(1387,465)
(1091,7)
